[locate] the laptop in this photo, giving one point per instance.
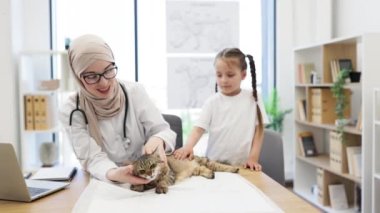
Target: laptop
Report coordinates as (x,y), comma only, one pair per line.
(13,186)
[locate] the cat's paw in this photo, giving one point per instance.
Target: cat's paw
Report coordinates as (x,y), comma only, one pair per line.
(235,170)
(137,188)
(212,175)
(209,175)
(161,189)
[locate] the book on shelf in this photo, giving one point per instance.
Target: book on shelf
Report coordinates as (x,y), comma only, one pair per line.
(302,109)
(351,151)
(338,197)
(334,72)
(358,198)
(307,144)
(357,164)
(304,72)
(338,150)
(359,122)
(322,105)
(38,112)
(29,112)
(339,64)
(345,63)
(55,173)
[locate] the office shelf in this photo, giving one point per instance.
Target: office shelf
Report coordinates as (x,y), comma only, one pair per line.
(313,199)
(36,67)
(347,129)
(376,151)
(323,161)
(362,51)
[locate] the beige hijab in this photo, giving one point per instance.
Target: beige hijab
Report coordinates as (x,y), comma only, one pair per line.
(84,51)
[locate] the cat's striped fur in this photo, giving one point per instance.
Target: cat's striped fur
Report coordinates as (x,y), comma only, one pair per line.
(151,167)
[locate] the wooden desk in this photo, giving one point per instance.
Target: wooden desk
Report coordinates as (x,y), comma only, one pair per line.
(64,201)
(61,201)
(285,199)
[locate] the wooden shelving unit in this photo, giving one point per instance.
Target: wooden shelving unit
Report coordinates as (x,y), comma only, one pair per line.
(362,50)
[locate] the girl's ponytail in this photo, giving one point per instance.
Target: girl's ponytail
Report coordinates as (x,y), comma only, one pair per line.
(254,89)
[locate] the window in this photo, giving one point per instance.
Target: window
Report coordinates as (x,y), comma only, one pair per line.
(176,66)
(113,20)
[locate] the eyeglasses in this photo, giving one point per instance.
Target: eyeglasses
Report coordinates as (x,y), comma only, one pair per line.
(93,78)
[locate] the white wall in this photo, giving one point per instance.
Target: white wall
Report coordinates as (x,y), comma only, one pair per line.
(24,25)
(353,17)
(309,22)
(285,78)
(8,107)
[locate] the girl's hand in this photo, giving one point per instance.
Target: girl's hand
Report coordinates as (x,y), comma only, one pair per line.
(124,174)
(184,152)
(155,144)
(252,165)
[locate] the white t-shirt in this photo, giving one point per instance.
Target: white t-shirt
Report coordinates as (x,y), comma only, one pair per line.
(231,122)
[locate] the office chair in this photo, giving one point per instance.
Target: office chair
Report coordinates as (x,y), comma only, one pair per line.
(272,156)
(175,123)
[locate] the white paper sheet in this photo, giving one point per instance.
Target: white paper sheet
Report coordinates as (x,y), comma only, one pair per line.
(226,193)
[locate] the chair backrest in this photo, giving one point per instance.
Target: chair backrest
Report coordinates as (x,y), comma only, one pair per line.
(175,123)
(272,156)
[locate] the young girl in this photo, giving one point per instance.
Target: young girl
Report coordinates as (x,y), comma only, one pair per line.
(232,116)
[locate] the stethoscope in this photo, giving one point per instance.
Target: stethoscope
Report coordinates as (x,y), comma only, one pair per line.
(77,109)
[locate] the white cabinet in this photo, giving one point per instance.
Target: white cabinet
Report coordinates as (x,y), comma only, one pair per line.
(318,172)
(39,102)
(376,151)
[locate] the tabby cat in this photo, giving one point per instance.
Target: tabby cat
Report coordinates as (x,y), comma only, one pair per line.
(151,167)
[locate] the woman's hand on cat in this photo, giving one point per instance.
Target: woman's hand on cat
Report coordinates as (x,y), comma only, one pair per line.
(253,165)
(155,144)
(124,174)
(183,153)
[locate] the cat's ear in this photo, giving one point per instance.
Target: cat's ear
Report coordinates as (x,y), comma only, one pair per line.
(155,152)
(157,155)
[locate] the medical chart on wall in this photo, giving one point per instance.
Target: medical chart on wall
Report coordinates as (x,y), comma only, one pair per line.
(190,82)
(201,27)
(196,29)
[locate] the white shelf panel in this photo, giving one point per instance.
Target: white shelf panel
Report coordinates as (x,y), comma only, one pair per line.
(348,85)
(314,200)
(345,40)
(323,161)
(347,129)
(40,92)
(51,130)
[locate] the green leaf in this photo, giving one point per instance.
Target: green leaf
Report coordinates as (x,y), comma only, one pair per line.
(341,102)
(275,114)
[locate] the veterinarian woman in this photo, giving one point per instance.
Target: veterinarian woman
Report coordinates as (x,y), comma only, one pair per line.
(110,123)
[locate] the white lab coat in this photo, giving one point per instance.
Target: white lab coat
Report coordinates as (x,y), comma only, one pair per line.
(143,121)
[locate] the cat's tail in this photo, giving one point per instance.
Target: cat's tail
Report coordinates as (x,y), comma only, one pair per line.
(220,167)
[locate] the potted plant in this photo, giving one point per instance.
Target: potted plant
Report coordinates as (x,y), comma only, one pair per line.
(275,114)
(341,102)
